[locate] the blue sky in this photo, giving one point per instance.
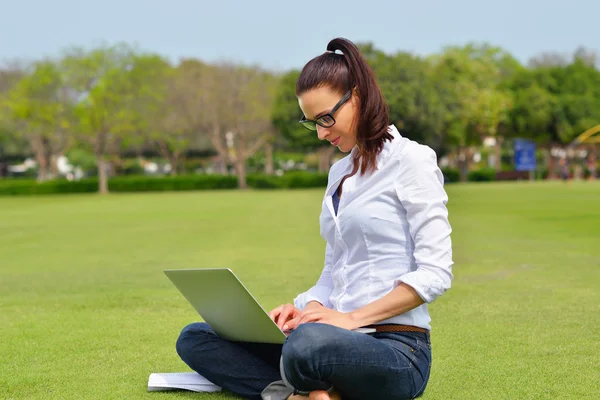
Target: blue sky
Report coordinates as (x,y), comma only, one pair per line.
(284,34)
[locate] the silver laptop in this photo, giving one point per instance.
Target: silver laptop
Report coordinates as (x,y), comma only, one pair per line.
(226,305)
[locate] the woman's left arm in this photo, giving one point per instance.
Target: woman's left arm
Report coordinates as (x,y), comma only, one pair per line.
(420,188)
(400,300)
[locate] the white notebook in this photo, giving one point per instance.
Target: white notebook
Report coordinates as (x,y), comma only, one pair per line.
(180,381)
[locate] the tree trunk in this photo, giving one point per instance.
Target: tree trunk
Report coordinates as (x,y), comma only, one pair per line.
(498,153)
(54,165)
(325,155)
(269,168)
(240,167)
(463,162)
(174,161)
(217,141)
(102,174)
(42,169)
(37,144)
(163,149)
(47,148)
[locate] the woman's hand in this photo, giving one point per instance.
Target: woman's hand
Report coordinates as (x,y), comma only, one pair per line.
(315,312)
(287,312)
(284,313)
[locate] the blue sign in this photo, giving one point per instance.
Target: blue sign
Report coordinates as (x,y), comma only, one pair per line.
(524,155)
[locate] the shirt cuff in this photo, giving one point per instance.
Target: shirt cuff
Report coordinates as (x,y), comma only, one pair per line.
(318,293)
(427,287)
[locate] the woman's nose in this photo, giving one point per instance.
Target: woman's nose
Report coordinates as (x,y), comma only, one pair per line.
(322,132)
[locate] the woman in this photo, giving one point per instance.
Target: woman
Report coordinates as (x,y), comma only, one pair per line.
(388,254)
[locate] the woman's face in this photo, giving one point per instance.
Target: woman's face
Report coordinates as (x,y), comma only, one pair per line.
(319,101)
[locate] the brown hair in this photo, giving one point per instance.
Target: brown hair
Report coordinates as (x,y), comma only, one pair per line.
(343,72)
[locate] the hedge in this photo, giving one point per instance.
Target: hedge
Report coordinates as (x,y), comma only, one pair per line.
(290,180)
(451,175)
(482,175)
(123,184)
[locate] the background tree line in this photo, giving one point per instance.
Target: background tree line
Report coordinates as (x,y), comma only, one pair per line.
(116,99)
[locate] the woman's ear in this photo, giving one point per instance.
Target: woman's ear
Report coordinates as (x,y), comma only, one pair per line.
(355,99)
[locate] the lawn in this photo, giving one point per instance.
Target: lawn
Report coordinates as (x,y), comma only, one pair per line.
(87,313)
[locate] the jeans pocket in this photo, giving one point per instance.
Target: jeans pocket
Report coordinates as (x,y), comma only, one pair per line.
(422,364)
(424,349)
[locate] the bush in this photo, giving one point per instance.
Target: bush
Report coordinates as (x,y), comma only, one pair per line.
(451,175)
(305,180)
(130,167)
(122,184)
(261,181)
(30,186)
(290,180)
(118,184)
(171,183)
(482,175)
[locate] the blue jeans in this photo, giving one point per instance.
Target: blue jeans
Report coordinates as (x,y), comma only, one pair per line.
(381,366)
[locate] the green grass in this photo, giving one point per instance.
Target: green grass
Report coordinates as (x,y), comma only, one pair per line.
(87,313)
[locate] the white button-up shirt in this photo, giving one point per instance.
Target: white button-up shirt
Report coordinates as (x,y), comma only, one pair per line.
(391,227)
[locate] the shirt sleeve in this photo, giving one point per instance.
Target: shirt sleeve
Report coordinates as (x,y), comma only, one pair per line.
(420,188)
(323,288)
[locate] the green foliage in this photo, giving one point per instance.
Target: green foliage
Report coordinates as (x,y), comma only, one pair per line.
(120,184)
(556,103)
(116,99)
(482,175)
(172,183)
(286,113)
(291,180)
(451,175)
(470,83)
(129,167)
(31,187)
(414,101)
(82,157)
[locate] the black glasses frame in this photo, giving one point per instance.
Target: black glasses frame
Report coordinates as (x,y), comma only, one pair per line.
(311,124)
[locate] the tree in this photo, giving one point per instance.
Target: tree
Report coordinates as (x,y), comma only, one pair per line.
(229,103)
(10,75)
(156,108)
(196,107)
(102,82)
(470,81)
(555,102)
(414,104)
(42,109)
(249,96)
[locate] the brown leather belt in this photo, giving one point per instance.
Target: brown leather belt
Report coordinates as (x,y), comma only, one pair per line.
(397,328)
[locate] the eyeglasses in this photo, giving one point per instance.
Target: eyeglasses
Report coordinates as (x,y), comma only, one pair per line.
(327,120)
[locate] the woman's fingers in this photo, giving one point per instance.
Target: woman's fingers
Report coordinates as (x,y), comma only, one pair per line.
(288,312)
(275,312)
